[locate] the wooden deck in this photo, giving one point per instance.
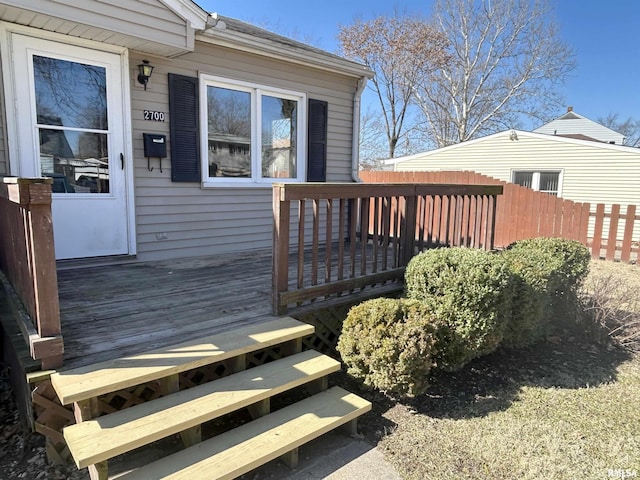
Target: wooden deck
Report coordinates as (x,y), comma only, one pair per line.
(112,310)
(109,311)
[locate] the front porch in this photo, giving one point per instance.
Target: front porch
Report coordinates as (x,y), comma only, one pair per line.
(126,334)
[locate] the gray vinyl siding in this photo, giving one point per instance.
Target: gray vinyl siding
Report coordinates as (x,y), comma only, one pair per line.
(200,221)
(591,172)
(146,25)
(4,159)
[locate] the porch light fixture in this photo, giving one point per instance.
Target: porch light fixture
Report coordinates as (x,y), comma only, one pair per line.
(145,70)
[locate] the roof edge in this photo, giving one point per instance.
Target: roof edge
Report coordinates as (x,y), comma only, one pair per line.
(189,11)
(237,40)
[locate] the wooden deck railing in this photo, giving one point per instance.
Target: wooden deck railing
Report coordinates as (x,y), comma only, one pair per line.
(27,262)
(337,239)
(611,232)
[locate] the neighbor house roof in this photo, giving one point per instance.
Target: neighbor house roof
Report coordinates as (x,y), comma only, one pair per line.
(572,123)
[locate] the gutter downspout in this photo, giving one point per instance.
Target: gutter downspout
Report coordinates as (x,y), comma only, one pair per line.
(355,147)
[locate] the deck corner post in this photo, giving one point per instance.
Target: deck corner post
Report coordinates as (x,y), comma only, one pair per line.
(408,233)
(281,227)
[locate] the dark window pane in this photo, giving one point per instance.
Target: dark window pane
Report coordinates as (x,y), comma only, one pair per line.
(229,132)
(70,94)
(523,178)
(549,182)
(77,161)
(279,131)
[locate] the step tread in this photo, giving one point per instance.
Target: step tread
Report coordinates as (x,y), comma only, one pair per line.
(247,447)
(96,440)
(110,376)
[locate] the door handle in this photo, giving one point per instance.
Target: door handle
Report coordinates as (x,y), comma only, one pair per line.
(122,161)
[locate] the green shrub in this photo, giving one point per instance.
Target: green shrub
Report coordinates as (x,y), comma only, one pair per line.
(468,291)
(546,275)
(389,344)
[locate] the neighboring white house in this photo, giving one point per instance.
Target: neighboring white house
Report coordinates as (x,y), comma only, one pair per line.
(579,170)
(572,124)
(237,108)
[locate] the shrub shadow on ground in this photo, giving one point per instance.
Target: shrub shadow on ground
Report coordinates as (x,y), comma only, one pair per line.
(493,382)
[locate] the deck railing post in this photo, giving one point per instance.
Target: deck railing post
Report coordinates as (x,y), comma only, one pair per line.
(281,227)
(29,265)
(408,229)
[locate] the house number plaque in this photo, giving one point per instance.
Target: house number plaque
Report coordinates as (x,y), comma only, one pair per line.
(154,116)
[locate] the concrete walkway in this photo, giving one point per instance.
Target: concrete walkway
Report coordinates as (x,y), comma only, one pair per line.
(333,456)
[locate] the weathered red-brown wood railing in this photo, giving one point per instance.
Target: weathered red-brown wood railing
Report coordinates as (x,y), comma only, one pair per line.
(343,238)
(28,265)
(611,231)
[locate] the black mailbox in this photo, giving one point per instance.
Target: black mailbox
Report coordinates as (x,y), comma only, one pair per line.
(155,145)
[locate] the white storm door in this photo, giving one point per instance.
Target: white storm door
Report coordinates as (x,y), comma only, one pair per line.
(71,127)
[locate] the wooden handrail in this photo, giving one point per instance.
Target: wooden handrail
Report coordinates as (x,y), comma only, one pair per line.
(348,237)
(27,260)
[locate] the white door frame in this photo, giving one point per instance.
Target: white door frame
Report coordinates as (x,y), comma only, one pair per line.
(11,107)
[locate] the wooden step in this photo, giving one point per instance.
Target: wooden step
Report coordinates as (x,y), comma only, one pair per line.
(247,447)
(96,440)
(98,379)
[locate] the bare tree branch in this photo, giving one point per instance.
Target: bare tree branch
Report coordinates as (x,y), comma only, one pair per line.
(506,58)
(399,50)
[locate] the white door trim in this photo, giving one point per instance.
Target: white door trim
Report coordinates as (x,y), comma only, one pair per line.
(11,107)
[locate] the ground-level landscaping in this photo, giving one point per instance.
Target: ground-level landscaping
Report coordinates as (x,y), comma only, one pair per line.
(564,408)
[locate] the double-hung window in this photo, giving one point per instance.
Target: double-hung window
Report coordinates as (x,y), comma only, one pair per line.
(251,133)
(541,181)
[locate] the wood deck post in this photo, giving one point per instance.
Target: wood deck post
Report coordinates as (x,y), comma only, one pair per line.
(281,226)
(27,259)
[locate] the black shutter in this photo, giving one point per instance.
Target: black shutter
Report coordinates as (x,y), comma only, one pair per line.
(185,128)
(317,141)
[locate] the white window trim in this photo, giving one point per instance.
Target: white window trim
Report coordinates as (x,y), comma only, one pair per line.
(256,91)
(535,181)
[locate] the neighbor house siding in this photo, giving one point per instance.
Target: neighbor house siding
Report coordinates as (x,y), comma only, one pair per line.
(207,221)
(131,23)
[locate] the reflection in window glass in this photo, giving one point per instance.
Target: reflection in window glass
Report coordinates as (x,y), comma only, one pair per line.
(72,97)
(279,132)
(77,161)
(229,132)
(70,94)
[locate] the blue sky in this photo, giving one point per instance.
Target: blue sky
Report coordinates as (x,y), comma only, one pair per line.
(604,33)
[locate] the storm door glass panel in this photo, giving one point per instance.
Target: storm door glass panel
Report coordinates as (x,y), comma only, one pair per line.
(279,131)
(72,122)
(229,132)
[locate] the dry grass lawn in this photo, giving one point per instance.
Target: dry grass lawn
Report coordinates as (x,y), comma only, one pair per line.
(563,409)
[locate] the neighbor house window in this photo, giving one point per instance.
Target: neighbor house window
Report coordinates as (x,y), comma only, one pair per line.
(252,133)
(541,181)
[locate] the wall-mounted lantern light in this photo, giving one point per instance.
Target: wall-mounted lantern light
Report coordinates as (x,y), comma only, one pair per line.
(145,70)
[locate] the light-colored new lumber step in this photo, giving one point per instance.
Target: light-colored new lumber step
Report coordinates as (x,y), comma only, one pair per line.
(98,379)
(245,448)
(105,437)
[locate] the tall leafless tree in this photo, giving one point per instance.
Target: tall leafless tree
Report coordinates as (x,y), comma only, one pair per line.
(506,60)
(399,50)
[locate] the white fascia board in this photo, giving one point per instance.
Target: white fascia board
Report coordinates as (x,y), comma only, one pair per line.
(261,46)
(189,11)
